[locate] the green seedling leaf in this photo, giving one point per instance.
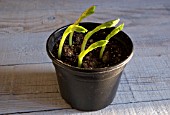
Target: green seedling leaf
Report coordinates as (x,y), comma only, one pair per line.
(114,32)
(70,29)
(90,48)
(86,13)
(108,24)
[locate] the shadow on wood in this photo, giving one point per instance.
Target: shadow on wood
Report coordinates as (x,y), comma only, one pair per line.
(31,87)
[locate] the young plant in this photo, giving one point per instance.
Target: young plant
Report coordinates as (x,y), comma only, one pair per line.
(86,13)
(108,24)
(114,32)
(75,27)
(90,48)
(69,29)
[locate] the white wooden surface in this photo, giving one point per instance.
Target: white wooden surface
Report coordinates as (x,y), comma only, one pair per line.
(28,84)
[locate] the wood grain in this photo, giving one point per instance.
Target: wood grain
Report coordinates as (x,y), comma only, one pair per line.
(28,83)
(31,48)
(34,87)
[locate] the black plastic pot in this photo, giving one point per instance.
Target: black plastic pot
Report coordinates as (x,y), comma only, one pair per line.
(88,89)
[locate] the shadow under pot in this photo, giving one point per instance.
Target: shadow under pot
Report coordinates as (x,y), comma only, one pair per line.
(89,89)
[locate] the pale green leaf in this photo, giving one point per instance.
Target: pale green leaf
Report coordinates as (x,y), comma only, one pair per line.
(70,29)
(108,24)
(90,48)
(112,33)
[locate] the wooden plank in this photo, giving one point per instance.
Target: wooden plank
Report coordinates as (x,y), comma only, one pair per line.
(30,30)
(5,82)
(26,88)
(30,88)
(34,87)
(143,108)
(68,5)
(36,78)
(48,20)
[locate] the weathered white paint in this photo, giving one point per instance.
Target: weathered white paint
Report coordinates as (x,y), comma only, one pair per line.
(28,84)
